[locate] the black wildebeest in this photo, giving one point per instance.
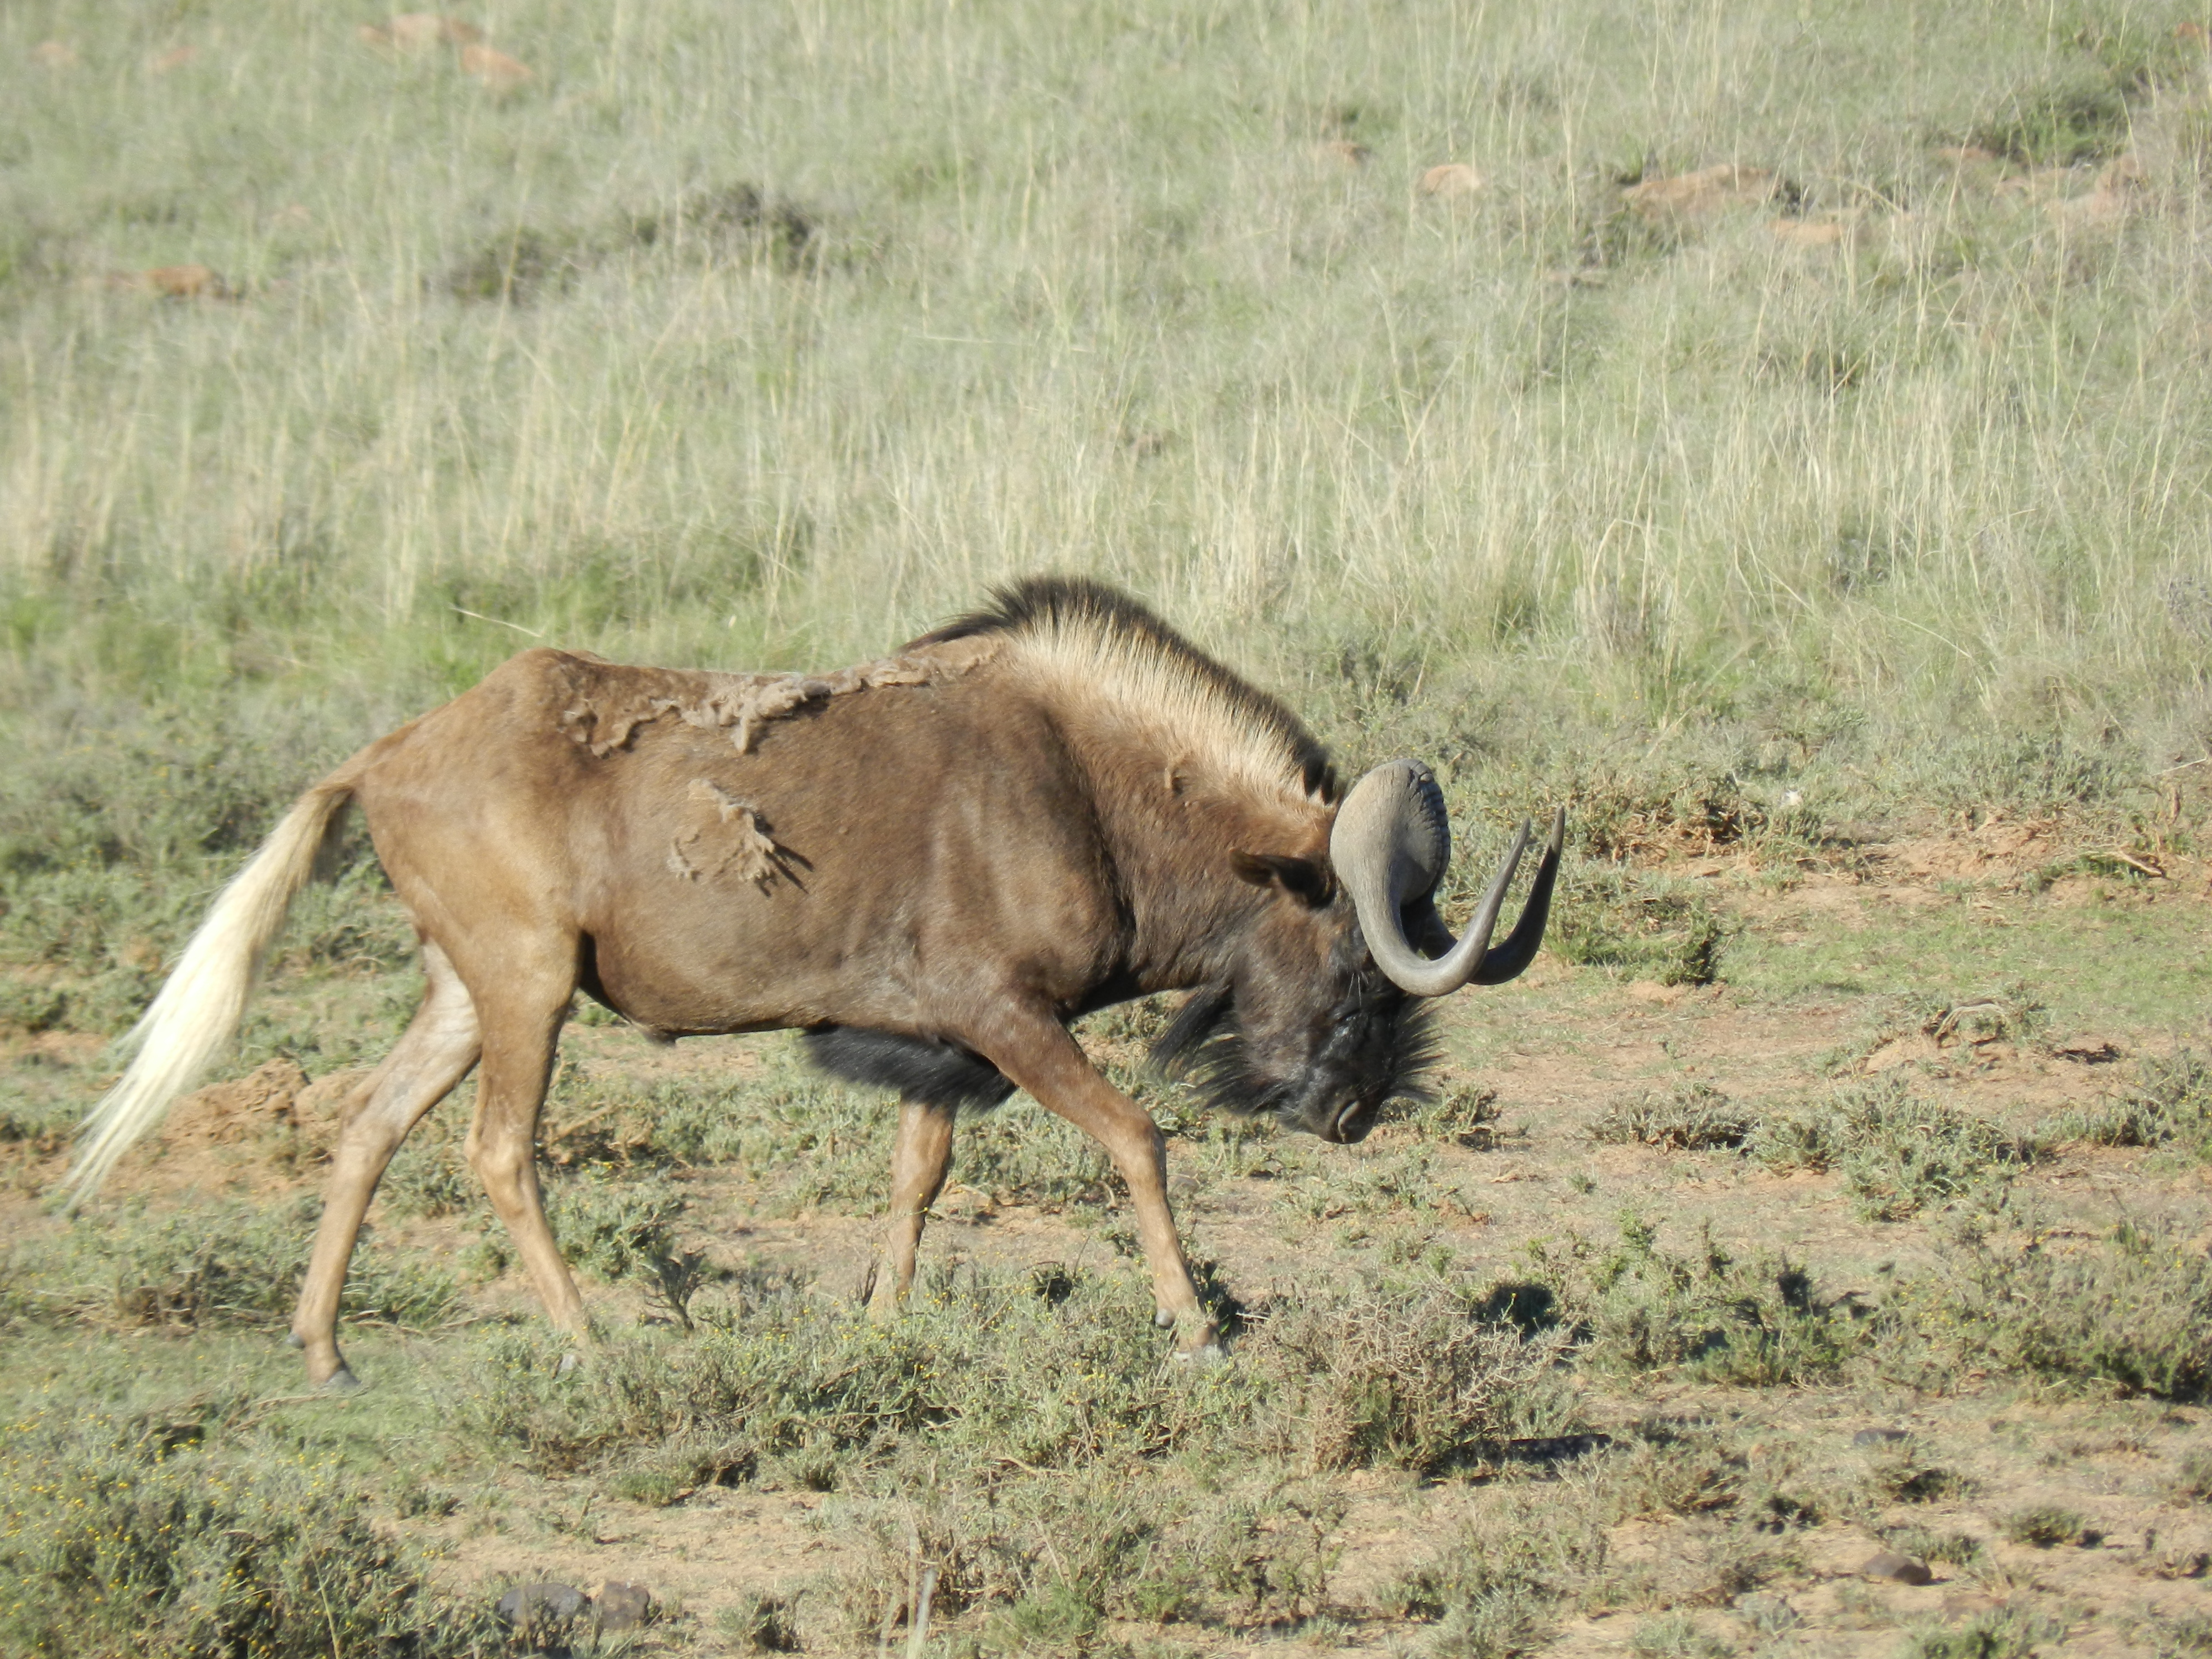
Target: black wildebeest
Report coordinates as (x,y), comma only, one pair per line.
(930,864)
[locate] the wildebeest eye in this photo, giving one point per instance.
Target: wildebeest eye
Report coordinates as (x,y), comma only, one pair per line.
(1305,879)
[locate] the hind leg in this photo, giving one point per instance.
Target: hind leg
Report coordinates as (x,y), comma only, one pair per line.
(520,1031)
(918,1166)
(438,1046)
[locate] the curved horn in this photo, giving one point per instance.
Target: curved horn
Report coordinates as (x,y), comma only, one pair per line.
(1391,845)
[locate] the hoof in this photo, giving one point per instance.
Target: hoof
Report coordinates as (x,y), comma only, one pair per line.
(1164,1319)
(569,1364)
(293,1339)
(1210,1352)
(341,1381)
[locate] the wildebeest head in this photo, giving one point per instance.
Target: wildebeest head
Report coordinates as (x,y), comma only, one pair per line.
(1322,1015)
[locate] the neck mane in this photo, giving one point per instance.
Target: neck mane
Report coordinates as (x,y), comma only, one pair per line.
(1189,763)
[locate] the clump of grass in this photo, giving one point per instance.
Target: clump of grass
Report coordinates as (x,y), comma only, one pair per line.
(2047,1526)
(1957,1549)
(2010,1632)
(2132,1314)
(1675,1636)
(1646,925)
(2170,1104)
(117,1539)
(1492,1587)
(207,1266)
(760,1624)
(1901,1476)
(1639,1307)
(1376,1380)
(996,1368)
(1462,1114)
(1897,1151)
(1053,1557)
(625,1230)
(2193,1479)
(1693,1117)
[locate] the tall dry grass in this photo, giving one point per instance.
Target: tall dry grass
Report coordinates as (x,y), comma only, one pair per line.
(1100,287)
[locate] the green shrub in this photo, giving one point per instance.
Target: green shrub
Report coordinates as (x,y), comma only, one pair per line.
(1693,1117)
(1646,925)
(1415,1383)
(1896,1151)
(1637,1307)
(1460,1115)
(2046,1527)
(2169,1105)
(1492,1584)
(114,1539)
(226,1264)
(2129,1314)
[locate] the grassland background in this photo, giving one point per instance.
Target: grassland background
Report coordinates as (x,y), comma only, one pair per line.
(1081,294)
(766,336)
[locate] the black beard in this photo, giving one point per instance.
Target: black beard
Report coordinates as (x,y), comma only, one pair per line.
(1205,1047)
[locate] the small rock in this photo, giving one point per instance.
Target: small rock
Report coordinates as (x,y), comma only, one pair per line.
(1449,179)
(1809,233)
(1880,1436)
(2101,210)
(494,69)
(1699,195)
(623,1606)
(535,1606)
(1896,1569)
(184,283)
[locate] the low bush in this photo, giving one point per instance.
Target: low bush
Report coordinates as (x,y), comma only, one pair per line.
(2129,1314)
(1002,1368)
(115,1538)
(1646,925)
(1695,1117)
(1378,1380)
(210,1265)
(2046,1527)
(1638,1307)
(2169,1105)
(1896,1151)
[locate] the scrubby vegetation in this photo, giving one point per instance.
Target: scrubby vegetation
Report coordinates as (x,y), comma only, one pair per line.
(1781,444)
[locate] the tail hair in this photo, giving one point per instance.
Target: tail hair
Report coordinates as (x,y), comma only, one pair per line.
(198,1010)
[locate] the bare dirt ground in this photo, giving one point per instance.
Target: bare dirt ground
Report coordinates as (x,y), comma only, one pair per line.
(1812,992)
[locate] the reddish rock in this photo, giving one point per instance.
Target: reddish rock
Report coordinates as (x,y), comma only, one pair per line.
(1688,197)
(494,69)
(1451,179)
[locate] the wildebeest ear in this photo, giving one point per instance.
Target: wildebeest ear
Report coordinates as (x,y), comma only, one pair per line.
(1304,878)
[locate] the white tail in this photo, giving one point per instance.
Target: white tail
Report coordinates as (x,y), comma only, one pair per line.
(193,1018)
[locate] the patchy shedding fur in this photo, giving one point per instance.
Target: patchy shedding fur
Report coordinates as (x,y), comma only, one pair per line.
(749,853)
(610,702)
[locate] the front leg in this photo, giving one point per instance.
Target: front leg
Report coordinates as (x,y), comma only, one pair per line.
(1038,1054)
